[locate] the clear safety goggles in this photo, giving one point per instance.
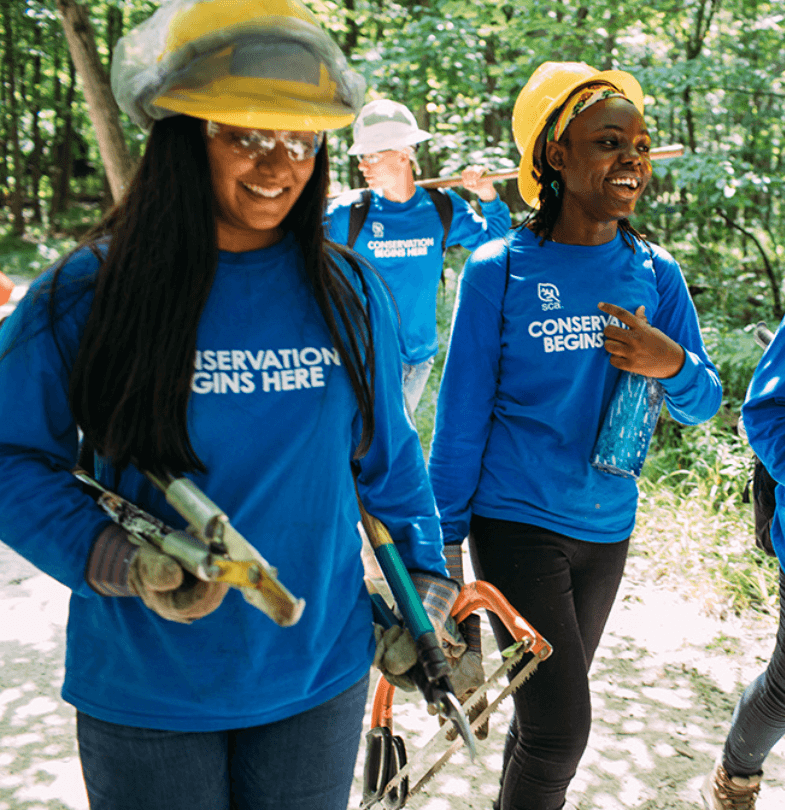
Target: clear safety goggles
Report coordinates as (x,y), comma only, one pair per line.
(374,157)
(255,143)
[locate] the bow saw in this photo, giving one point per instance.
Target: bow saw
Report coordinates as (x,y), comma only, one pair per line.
(387,773)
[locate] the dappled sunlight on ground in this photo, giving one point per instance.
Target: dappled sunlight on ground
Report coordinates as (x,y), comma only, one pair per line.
(39,767)
(664,683)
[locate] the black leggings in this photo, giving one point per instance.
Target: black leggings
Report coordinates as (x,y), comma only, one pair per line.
(759,718)
(565,588)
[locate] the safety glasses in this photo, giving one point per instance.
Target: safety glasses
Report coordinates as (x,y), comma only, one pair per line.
(371,159)
(255,143)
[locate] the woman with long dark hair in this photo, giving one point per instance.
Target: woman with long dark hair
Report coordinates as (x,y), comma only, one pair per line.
(546,321)
(207,329)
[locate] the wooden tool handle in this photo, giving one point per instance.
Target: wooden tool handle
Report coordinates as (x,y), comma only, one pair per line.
(657,153)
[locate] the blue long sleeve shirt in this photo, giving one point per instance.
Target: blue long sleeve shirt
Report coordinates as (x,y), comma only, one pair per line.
(764,420)
(402,240)
(273,417)
(527,380)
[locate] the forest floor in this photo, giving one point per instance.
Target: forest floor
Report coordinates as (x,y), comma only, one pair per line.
(664,683)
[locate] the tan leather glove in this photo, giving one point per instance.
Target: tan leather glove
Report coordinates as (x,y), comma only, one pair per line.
(117,567)
(437,595)
(395,655)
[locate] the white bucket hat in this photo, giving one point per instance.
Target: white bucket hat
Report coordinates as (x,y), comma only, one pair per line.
(383,125)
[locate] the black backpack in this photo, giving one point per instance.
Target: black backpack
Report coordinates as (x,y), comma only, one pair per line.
(359,212)
(764,504)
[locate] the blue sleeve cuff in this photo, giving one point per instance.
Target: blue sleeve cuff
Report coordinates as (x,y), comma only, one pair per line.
(685,379)
(695,393)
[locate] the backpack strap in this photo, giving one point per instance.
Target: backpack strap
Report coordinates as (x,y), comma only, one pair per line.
(358,213)
(507,250)
(443,203)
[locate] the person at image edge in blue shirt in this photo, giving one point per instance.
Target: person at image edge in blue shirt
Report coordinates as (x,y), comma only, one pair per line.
(758,721)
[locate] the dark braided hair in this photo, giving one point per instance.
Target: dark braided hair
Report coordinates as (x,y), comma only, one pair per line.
(543,220)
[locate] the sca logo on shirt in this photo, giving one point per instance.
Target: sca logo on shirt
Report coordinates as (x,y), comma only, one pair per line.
(549,295)
(378,230)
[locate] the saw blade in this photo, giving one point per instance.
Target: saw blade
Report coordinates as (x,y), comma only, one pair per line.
(441,735)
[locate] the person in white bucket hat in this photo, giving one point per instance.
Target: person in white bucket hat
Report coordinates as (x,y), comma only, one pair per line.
(403,230)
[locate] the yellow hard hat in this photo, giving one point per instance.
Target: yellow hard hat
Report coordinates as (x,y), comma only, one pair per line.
(263,64)
(547,89)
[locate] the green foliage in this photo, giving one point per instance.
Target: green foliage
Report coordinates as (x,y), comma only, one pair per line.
(735,353)
(691,517)
(28,257)
(426,411)
(688,458)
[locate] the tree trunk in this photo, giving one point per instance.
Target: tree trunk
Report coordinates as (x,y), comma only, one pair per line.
(36,158)
(13,123)
(62,154)
(104,112)
(353,30)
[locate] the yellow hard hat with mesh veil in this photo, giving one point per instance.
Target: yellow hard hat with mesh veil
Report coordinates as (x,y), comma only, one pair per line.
(545,92)
(263,64)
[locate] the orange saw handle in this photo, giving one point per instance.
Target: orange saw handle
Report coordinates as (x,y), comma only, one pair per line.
(474,596)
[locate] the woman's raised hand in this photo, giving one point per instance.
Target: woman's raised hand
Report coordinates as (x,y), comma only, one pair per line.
(641,348)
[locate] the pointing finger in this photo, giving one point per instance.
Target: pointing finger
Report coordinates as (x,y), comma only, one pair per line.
(625,316)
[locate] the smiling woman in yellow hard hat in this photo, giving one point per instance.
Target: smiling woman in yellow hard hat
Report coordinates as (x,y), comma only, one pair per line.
(534,358)
(207,329)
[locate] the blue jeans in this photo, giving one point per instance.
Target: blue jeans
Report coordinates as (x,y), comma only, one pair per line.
(305,762)
(759,718)
(414,380)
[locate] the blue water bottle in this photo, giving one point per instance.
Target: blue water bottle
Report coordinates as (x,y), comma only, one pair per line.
(628,426)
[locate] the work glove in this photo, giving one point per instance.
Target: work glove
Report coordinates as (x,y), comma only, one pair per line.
(438,595)
(467,674)
(396,652)
(118,567)
(395,655)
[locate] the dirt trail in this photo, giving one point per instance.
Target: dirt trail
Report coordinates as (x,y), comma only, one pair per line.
(665,681)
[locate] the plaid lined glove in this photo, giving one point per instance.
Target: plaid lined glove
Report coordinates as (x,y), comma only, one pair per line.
(467,674)
(438,596)
(118,567)
(396,652)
